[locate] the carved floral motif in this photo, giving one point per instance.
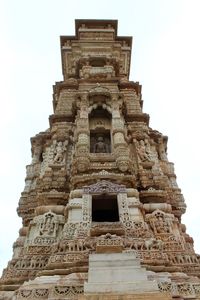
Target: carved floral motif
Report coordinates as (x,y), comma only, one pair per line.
(104,186)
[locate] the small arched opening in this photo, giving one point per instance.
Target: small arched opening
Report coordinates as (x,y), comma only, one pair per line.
(100,130)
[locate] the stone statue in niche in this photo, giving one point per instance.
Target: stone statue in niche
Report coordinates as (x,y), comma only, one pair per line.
(59,152)
(142,152)
(162,150)
(161,225)
(37,154)
(100,146)
(160,222)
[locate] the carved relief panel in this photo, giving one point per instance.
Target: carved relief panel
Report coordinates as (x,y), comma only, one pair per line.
(45,229)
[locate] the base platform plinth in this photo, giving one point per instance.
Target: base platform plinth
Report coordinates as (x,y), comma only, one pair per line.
(141,296)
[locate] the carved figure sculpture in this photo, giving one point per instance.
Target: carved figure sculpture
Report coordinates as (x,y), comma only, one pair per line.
(159,245)
(153,243)
(149,243)
(162,150)
(59,152)
(100,146)
(141,151)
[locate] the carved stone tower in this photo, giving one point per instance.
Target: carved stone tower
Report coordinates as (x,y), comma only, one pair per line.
(101,209)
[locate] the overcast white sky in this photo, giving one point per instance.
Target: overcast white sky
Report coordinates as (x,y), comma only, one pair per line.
(165,60)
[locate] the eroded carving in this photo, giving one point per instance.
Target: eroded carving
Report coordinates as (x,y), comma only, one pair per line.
(100,146)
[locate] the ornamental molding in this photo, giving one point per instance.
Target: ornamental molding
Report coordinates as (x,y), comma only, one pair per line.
(104,187)
(98,89)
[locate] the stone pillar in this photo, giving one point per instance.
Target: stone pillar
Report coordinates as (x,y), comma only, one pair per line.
(120,147)
(82,146)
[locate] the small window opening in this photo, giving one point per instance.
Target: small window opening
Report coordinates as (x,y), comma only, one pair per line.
(105,209)
(97,62)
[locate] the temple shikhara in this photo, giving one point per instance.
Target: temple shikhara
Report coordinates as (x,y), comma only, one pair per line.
(101,210)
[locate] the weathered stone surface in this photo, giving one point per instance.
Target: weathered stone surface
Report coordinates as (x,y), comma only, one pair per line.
(117,273)
(142,296)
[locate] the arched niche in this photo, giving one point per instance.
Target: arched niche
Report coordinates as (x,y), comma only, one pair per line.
(100,130)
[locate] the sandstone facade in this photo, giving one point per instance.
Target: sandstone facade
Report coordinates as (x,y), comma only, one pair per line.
(100,185)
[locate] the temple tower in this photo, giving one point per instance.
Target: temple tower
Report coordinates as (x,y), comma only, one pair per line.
(101,209)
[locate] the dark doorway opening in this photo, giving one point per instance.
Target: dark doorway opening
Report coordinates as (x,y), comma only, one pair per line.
(105,209)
